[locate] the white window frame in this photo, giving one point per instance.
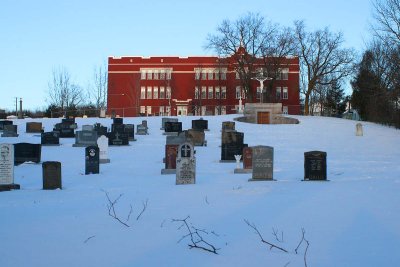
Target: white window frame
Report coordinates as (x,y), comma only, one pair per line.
(258,95)
(196,92)
(197,73)
(155,77)
(285,93)
(238,92)
(162,74)
(143,92)
(155,92)
(223,92)
(223,75)
(149,74)
(162,92)
(210,75)
(149,94)
(148,110)
(210,92)
(142,109)
(169,74)
(203,75)
(204,92)
(285,110)
(223,110)
(161,110)
(278,93)
(168,95)
(217,93)
(143,74)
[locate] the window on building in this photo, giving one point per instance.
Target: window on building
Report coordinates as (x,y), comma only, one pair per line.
(168,111)
(203,75)
(169,74)
(283,74)
(285,93)
(197,74)
(223,92)
(168,96)
(210,92)
(210,75)
(223,75)
(237,75)
(258,92)
(161,110)
(142,109)
(149,75)
(143,74)
(217,93)
(216,110)
(162,74)
(148,110)
(155,92)
(216,74)
(203,92)
(285,110)
(196,92)
(162,92)
(203,110)
(142,92)
(155,75)
(278,93)
(149,93)
(238,92)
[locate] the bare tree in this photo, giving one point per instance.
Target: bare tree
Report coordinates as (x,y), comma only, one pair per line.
(244,40)
(62,92)
(98,90)
(387,17)
(322,55)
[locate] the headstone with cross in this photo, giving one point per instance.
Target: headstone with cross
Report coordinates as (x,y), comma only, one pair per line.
(186,164)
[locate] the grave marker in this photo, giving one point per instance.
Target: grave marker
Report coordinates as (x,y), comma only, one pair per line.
(92,160)
(185,165)
(263,163)
(34,127)
(315,166)
(26,152)
(50,139)
(102,143)
(7,168)
(51,175)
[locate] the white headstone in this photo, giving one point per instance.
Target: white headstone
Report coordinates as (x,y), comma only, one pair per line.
(185,165)
(238,157)
(6,164)
(102,143)
(359,129)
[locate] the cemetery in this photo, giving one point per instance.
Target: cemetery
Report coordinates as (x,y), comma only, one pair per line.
(222,174)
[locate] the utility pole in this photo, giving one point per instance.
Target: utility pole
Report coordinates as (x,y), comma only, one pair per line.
(20,108)
(16,106)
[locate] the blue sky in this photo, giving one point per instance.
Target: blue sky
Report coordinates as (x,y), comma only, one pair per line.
(37,36)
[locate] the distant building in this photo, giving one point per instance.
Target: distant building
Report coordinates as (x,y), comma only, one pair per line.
(169,86)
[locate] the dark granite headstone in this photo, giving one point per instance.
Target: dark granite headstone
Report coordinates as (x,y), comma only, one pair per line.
(263,163)
(118,139)
(92,160)
(100,129)
(118,120)
(232,144)
(164,120)
(50,139)
(3,123)
(65,130)
(51,175)
(120,128)
(10,131)
(26,152)
(130,130)
(173,127)
(144,123)
(200,125)
(34,127)
(315,166)
(7,168)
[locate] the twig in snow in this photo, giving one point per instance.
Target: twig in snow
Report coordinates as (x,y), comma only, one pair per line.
(111,208)
(87,239)
(262,239)
(196,238)
(144,208)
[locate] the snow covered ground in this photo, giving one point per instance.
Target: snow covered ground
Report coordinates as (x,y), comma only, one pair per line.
(353,220)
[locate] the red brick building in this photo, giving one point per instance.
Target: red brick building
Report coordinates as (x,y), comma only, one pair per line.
(172,86)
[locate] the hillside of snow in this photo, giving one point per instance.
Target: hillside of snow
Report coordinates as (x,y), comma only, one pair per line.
(352,220)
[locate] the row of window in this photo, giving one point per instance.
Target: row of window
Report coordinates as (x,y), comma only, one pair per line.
(166,110)
(155,92)
(281,93)
(210,74)
(220,92)
(155,74)
(283,74)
